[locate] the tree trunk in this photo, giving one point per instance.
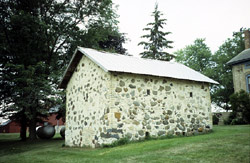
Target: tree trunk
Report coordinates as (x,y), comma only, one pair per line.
(32,126)
(23,127)
(32,129)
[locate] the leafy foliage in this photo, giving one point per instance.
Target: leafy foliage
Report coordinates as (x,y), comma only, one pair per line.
(37,39)
(240,104)
(154,48)
(105,38)
(116,143)
(222,72)
(197,56)
(215,120)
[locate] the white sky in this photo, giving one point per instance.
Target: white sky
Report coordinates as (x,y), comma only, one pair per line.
(215,20)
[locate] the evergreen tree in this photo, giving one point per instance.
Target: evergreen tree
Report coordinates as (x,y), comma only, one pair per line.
(154,48)
(37,39)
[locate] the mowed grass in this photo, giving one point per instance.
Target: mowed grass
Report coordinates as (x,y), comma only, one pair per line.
(226,144)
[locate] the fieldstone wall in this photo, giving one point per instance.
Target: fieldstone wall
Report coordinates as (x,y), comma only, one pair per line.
(87,99)
(146,105)
(102,107)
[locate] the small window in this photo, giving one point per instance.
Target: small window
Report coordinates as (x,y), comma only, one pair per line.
(147,135)
(148,92)
(86,97)
(247,65)
(248,83)
(191,94)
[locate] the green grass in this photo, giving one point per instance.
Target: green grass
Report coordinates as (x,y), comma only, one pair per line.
(225,144)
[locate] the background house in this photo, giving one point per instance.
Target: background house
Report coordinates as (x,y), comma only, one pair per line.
(241,67)
(110,96)
(9,126)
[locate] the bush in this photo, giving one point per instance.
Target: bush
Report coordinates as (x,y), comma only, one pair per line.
(230,118)
(215,120)
(240,104)
(119,142)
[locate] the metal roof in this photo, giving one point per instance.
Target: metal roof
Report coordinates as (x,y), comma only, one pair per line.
(244,56)
(112,62)
(5,123)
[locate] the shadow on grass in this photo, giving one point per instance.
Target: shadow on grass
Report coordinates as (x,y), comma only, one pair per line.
(10,146)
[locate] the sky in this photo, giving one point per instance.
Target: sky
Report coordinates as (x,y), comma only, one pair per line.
(214,20)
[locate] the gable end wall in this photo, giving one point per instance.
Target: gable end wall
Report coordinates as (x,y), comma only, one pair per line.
(87,101)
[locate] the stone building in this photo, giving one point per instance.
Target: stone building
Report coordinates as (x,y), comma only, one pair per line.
(111,96)
(241,67)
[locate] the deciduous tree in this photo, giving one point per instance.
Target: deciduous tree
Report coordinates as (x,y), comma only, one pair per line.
(37,39)
(197,56)
(223,72)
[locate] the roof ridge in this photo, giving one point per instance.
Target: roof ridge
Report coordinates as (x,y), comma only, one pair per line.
(132,56)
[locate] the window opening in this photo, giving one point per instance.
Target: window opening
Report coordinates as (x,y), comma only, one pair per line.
(148,92)
(248,83)
(86,98)
(147,135)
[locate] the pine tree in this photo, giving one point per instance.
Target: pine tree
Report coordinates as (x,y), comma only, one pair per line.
(154,48)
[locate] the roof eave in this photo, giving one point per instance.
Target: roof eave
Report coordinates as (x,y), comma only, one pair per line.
(210,82)
(238,62)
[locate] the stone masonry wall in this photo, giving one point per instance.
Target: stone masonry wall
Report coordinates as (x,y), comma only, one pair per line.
(103,107)
(158,106)
(239,77)
(87,99)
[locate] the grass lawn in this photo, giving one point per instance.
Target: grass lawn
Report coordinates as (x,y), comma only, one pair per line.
(226,144)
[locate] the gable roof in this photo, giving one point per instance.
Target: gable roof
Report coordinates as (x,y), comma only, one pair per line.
(244,56)
(112,62)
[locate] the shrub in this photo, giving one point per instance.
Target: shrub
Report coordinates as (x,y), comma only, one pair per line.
(119,142)
(240,104)
(215,120)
